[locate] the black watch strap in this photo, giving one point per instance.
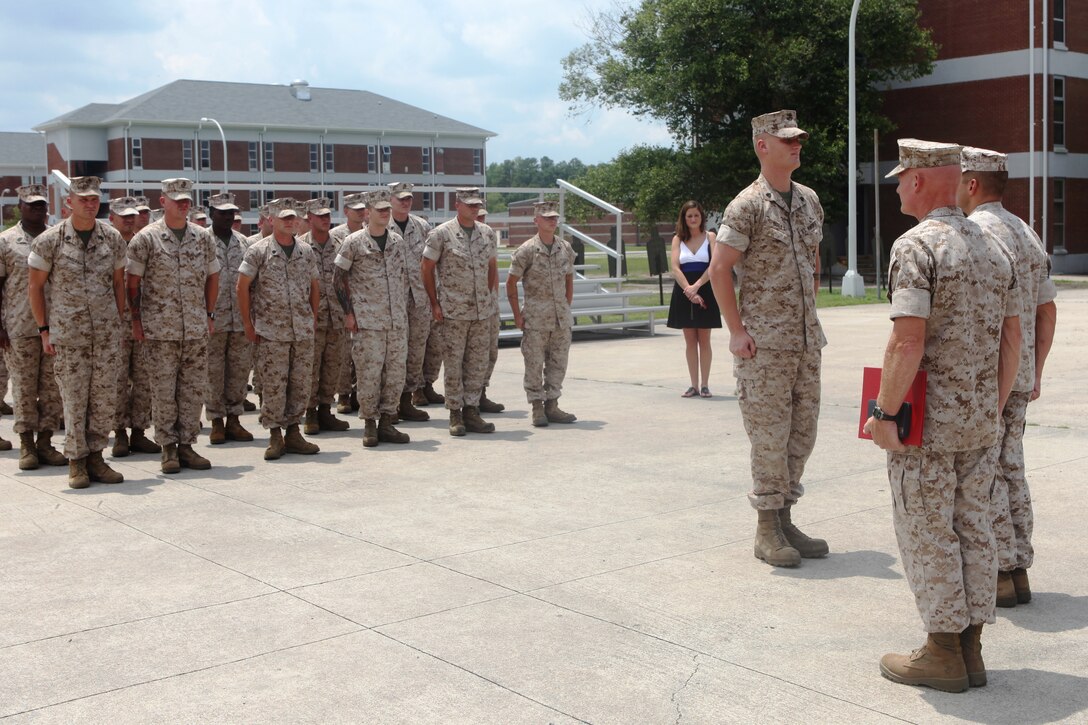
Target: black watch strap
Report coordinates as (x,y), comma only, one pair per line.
(881,415)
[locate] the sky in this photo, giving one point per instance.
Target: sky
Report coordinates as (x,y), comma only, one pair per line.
(496,65)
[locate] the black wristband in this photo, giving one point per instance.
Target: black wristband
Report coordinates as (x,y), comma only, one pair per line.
(43,328)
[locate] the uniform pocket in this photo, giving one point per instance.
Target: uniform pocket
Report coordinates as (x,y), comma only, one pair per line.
(906,484)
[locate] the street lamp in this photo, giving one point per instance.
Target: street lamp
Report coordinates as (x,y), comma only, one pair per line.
(224,137)
(852,283)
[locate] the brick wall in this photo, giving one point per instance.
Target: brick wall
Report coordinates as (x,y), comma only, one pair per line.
(165,153)
(456,161)
(292,156)
(975,27)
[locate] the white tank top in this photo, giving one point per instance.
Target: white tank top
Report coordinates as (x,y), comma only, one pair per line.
(703,255)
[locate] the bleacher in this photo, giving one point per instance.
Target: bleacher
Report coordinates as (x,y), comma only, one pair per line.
(598,304)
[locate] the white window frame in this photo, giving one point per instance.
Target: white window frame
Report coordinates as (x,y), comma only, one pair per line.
(371,159)
(1059,26)
(1058,118)
(187,154)
(205,155)
(315,158)
(137,153)
(254,156)
(254,200)
(1057,223)
(477,161)
(330,157)
(426,167)
(269,156)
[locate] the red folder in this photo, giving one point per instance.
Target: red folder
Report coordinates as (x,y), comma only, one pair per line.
(916,396)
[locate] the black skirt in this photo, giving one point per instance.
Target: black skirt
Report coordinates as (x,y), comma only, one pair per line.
(682,313)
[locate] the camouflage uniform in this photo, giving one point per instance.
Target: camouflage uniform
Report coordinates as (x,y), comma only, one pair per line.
(175,323)
(133,380)
(330,342)
(420,319)
(495,326)
(33,383)
(284,320)
(85,328)
(343,386)
(545,342)
(779,387)
(379,295)
(467,303)
(1011,501)
(230,354)
(958,278)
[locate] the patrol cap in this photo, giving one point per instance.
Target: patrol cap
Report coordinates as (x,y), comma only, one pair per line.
(237,216)
(546,208)
(400,189)
(915,154)
(469,195)
(142,203)
(156,215)
(86,186)
(321,205)
(355,201)
(782,124)
(124,206)
(976,159)
(481,213)
(222,202)
(283,208)
(380,199)
(177,189)
(197,212)
(263,212)
(30,193)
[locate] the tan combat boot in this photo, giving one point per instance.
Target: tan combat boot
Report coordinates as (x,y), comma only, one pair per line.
(937,664)
(47,454)
(432,395)
(343,404)
(1020,583)
(457,423)
(971,644)
(387,433)
(140,443)
(419,399)
(489,406)
(275,445)
(555,415)
(1006,590)
(806,546)
(77,473)
(310,424)
(191,459)
(28,452)
(235,431)
(219,432)
(771,545)
(5,444)
(474,423)
(327,421)
(293,442)
(170,462)
(99,470)
(407,411)
(370,433)
(540,420)
(120,443)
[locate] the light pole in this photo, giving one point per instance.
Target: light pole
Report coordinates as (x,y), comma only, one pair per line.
(224,137)
(852,283)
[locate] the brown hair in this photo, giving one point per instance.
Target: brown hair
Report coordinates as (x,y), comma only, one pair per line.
(682,230)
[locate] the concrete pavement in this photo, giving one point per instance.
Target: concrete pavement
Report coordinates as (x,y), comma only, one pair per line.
(600,572)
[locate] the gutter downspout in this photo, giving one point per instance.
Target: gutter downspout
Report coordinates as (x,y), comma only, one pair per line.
(1046,128)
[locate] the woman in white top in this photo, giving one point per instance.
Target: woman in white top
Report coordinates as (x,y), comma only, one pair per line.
(693,308)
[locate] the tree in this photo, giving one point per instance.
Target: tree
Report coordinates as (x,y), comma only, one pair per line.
(528,172)
(706,67)
(647,181)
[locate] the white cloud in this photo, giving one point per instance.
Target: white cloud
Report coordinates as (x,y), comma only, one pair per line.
(494,64)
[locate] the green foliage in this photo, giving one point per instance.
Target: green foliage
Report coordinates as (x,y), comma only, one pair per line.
(706,67)
(645,181)
(527,172)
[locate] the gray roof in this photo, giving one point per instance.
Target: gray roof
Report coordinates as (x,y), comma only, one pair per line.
(22,149)
(253,104)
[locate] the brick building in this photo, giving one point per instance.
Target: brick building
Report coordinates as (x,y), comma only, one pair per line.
(280,141)
(980,94)
(22,161)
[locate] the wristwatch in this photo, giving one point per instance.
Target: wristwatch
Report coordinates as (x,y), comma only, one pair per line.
(211,315)
(881,415)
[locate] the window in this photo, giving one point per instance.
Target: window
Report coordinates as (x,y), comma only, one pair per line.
(427,200)
(137,153)
(315,158)
(1059,23)
(329,168)
(269,195)
(386,156)
(1059,112)
(1058,222)
(203,196)
(269,157)
(205,154)
(315,195)
(426,160)
(253,158)
(371,159)
(187,154)
(440,152)
(477,161)
(254,198)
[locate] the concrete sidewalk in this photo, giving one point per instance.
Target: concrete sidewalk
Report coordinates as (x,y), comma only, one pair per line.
(600,572)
